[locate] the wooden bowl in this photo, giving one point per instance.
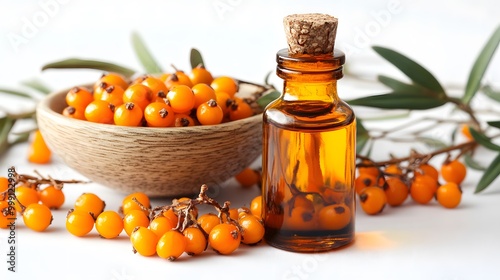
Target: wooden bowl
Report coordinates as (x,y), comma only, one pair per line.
(170,162)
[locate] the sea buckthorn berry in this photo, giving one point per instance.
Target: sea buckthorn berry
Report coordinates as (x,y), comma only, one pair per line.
(37,217)
(202,93)
(79,223)
(72,112)
(334,217)
(209,113)
(25,196)
(100,111)
(252,229)
(7,214)
(429,170)
(79,97)
(38,152)
(239,110)
(423,188)
(160,97)
(364,180)
(208,221)
(299,218)
(129,203)
(171,245)
(89,202)
(113,79)
(396,191)
(144,241)
(393,169)
(138,94)
(159,114)
(133,219)
(160,225)
(453,171)
(170,214)
(225,101)
(99,90)
(156,85)
(256,206)
(449,195)
(113,95)
(372,200)
(224,238)
(183,120)
(233,215)
(128,114)
(372,170)
(465,130)
(196,242)
(52,197)
(109,224)
(181,99)
(248,177)
(225,84)
(200,74)
(177,78)
(333,196)
(4,187)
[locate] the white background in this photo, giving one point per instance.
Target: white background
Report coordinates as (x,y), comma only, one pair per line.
(240,38)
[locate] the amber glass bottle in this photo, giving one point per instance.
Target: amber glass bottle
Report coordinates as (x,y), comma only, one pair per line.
(309,157)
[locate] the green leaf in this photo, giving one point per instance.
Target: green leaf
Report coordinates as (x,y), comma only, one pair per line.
(195,58)
(470,162)
(264,100)
(410,68)
(489,175)
(77,63)
(37,85)
(399,86)
(483,140)
(15,92)
(494,124)
(480,66)
(488,91)
(144,55)
(431,142)
(397,100)
(6,125)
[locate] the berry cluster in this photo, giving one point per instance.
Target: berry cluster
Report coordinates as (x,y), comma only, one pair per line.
(392,184)
(170,100)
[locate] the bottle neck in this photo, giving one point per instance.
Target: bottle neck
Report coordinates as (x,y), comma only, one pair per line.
(310,78)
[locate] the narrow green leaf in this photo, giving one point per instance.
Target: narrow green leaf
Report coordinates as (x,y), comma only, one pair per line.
(417,73)
(489,175)
(37,85)
(15,92)
(483,140)
(494,124)
(432,143)
(399,86)
(397,100)
(362,135)
(264,100)
(144,55)
(480,66)
(470,162)
(21,137)
(77,63)
(195,58)
(6,125)
(488,91)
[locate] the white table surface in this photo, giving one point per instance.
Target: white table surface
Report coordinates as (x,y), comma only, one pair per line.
(409,242)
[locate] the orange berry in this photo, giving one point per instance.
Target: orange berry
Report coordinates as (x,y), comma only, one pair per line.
(79,223)
(372,200)
(159,114)
(225,84)
(225,101)
(364,180)
(453,171)
(334,217)
(202,93)
(429,170)
(253,229)
(25,196)
(100,111)
(208,221)
(181,98)
(133,219)
(7,214)
(52,197)
(128,114)
(4,187)
(248,177)
(200,75)
(112,79)
(183,120)
(177,78)
(90,203)
(138,94)
(240,110)
(196,242)
(449,195)
(156,85)
(109,224)
(224,238)
(72,112)
(372,170)
(160,225)
(171,245)
(209,113)
(129,203)
(144,241)
(393,169)
(38,151)
(79,97)
(396,191)
(423,188)
(113,95)
(256,206)
(37,217)
(299,218)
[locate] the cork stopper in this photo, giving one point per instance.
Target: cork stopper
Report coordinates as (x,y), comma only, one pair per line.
(311,34)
